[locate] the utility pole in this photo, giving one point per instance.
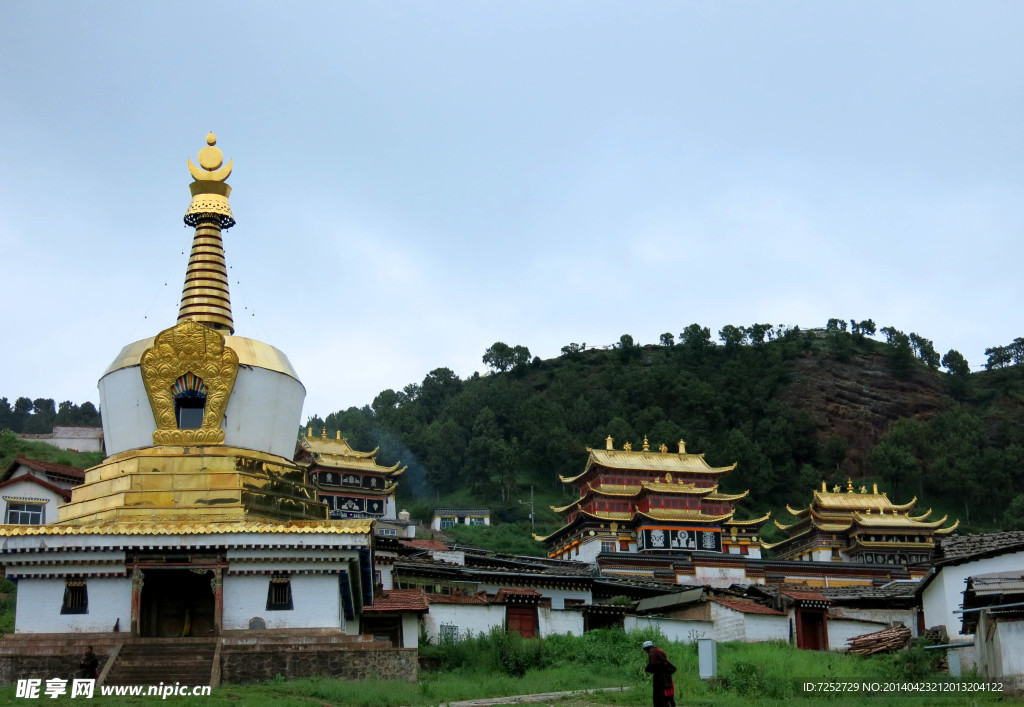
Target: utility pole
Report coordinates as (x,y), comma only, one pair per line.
(533,522)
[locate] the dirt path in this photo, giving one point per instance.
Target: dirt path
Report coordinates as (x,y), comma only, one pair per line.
(549,697)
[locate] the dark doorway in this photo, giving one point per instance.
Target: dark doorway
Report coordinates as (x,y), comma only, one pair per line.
(383,628)
(812,634)
(177,602)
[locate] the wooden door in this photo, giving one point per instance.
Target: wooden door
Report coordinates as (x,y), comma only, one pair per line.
(522,619)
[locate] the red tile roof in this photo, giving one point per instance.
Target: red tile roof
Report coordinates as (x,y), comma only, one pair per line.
(425,544)
(517,594)
(805,595)
(62,492)
(70,472)
(398,600)
(746,606)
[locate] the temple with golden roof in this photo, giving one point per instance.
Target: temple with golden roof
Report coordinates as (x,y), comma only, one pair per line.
(352,484)
(858,526)
(199,522)
(651,502)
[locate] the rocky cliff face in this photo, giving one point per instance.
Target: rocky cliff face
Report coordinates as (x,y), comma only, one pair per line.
(859,399)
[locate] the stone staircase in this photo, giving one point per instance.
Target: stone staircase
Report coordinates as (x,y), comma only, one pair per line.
(167,661)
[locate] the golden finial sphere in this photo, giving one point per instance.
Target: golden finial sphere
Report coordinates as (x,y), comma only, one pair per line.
(210,157)
(211,139)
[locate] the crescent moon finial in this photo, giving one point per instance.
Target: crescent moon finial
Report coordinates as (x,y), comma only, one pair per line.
(209,190)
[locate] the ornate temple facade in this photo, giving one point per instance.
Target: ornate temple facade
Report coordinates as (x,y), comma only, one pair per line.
(350,483)
(651,503)
(199,522)
(862,527)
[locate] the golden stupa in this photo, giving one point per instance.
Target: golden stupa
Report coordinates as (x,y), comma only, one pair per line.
(197,459)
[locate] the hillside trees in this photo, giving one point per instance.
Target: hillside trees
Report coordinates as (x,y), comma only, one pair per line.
(490,436)
(38,416)
(501,357)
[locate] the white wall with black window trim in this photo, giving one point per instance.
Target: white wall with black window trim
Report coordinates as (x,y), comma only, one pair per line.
(105,599)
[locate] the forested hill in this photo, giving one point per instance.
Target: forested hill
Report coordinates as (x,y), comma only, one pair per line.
(793,408)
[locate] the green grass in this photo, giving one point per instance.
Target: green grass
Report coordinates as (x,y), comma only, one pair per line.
(11,446)
(498,665)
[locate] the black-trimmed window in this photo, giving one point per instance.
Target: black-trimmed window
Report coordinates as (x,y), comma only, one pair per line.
(189,401)
(76,597)
(279,593)
(23,513)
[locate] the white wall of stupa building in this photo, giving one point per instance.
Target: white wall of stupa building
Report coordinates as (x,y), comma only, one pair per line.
(315,597)
(40,601)
(262,412)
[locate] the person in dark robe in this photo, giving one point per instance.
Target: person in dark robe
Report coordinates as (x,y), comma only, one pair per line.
(661,669)
(89,665)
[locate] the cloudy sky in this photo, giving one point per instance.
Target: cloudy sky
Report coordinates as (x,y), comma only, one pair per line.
(414,181)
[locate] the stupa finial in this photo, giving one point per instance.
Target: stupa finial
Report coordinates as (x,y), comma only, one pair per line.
(210,190)
(205,297)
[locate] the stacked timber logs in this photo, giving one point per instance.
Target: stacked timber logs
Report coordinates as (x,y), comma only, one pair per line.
(887,641)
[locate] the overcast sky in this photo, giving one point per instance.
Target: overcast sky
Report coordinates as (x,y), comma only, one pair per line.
(414,181)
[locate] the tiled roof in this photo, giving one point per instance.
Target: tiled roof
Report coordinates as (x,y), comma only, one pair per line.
(32,479)
(425,544)
(70,472)
(891,591)
(962,548)
(805,595)
(455,599)
(746,606)
(462,511)
(517,594)
(402,600)
(996,583)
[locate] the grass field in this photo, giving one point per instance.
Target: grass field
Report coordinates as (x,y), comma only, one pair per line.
(501,664)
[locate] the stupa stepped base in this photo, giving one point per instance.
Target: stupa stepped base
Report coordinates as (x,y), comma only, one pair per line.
(203,484)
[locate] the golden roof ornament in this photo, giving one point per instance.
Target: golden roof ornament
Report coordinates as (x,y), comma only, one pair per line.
(608,442)
(849,485)
(663,448)
(682,447)
(205,297)
(647,447)
(210,190)
(628,447)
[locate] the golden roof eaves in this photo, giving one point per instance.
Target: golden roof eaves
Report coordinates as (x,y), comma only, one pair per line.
(853,501)
(335,446)
(669,514)
(752,521)
(347,527)
(563,509)
(832,527)
(947,531)
(885,520)
(782,527)
(676,488)
(727,496)
(626,490)
(609,515)
(770,546)
(799,513)
(659,462)
(648,461)
(922,516)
